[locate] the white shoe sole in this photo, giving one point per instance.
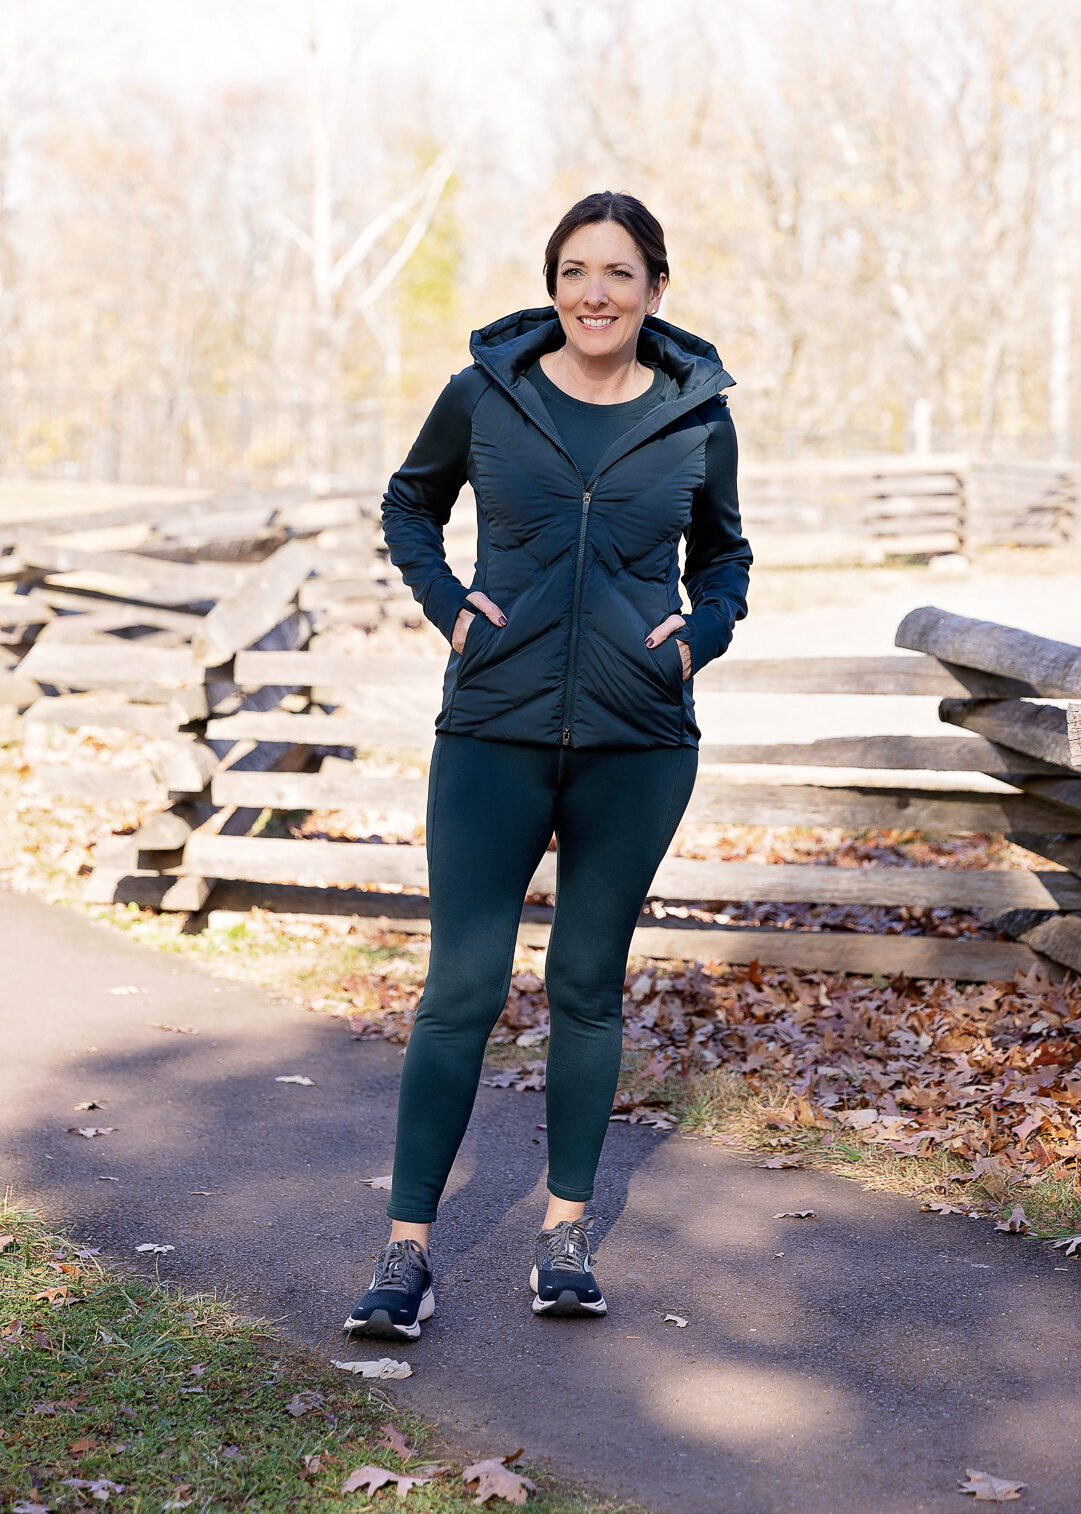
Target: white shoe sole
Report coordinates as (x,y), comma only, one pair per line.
(381,1325)
(568,1301)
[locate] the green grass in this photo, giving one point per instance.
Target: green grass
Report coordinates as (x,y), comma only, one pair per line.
(722,1105)
(181,1403)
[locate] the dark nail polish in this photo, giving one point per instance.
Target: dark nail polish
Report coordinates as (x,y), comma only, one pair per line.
(649,641)
(502,620)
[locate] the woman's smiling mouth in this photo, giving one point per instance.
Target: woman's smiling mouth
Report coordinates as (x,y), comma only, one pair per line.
(596,322)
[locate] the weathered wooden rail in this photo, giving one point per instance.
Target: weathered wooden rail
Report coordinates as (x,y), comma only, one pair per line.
(866,509)
(250,709)
(210,628)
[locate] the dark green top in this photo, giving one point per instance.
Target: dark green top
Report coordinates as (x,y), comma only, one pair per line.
(586,429)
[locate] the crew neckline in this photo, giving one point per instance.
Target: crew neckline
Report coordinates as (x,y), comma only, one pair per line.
(615,406)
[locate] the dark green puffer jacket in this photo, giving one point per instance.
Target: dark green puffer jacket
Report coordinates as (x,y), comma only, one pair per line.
(583,569)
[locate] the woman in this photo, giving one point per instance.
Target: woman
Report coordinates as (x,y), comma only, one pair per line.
(594,436)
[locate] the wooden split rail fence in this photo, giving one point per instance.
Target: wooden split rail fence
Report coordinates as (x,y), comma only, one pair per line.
(865,509)
(251,712)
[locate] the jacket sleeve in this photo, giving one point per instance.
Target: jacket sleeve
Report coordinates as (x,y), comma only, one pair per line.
(718,558)
(420,496)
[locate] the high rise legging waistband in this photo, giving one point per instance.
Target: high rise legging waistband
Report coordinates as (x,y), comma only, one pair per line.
(493,807)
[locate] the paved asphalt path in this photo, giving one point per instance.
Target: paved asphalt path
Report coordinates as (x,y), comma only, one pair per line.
(853,1364)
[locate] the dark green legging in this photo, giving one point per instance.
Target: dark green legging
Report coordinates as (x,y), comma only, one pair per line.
(492,809)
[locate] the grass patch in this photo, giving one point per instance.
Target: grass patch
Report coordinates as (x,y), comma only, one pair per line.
(722,1105)
(154,1398)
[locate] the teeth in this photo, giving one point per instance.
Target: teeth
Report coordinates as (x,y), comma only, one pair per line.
(598,321)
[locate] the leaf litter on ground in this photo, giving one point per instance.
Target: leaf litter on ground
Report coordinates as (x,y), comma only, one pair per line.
(990,1489)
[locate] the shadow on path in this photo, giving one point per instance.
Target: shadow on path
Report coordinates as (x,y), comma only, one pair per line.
(853,1364)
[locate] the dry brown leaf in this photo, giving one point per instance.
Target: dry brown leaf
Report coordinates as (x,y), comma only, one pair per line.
(311,1464)
(303,1403)
(180,1030)
(90,1131)
(990,1489)
(385,1366)
(495,1479)
(939,1206)
(679,1319)
(789,1161)
(89,1104)
(1072,1243)
(396,1441)
(1016,1224)
(372,1478)
(6,1241)
(796,1214)
(379,1182)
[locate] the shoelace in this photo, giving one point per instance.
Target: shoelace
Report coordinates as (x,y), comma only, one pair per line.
(569,1250)
(392,1264)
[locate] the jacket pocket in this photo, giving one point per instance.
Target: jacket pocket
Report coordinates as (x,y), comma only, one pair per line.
(670,661)
(474,636)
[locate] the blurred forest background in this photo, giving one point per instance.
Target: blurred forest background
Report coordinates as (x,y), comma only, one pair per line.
(250,241)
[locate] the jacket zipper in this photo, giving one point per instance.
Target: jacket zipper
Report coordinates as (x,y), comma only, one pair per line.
(586,497)
(572,661)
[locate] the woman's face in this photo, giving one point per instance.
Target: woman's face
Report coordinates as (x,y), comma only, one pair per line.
(602,290)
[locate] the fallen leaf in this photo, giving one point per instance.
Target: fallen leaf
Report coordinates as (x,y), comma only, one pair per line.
(296,1077)
(233,1453)
(99,1488)
(386,1366)
(86,1443)
(51,1295)
(90,1131)
(24,1507)
(396,1441)
(6,1241)
(679,1319)
(990,1489)
(796,1214)
(88,1104)
(1071,1242)
(303,1403)
(495,1479)
(373,1478)
(380,1182)
(180,1030)
(205,1193)
(153,1246)
(790,1161)
(939,1206)
(103,1179)
(1016,1224)
(311,1464)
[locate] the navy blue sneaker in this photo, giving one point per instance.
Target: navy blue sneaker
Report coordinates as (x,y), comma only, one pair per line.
(561,1278)
(399,1297)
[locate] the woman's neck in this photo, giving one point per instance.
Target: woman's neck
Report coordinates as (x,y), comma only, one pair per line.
(607,383)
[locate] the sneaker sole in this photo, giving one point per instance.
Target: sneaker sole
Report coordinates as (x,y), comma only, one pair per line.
(567,1303)
(380,1325)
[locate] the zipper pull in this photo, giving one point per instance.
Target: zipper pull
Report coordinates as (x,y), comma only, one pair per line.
(566,736)
(586,499)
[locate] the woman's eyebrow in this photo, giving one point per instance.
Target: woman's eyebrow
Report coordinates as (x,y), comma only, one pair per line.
(578,261)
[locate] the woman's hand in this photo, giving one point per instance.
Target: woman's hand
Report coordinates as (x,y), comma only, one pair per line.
(485,606)
(663,631)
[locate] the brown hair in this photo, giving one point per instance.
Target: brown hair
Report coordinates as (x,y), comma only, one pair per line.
(610,205)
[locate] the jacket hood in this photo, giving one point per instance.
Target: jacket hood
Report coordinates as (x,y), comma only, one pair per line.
(509,345)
